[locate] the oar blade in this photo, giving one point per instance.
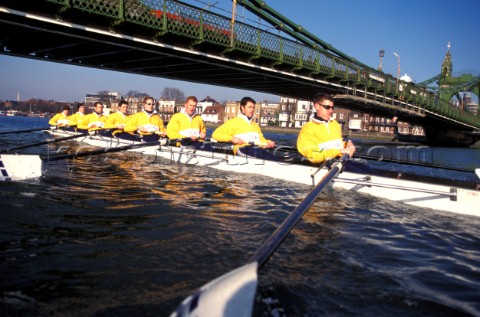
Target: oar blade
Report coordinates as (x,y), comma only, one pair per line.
(15,167)
(231,294)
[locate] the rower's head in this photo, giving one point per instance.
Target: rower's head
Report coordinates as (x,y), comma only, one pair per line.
(323,104)
(65,110)
(191,105)
(247,106)
(123,106)
(148,104)
(81,108)
(98,107)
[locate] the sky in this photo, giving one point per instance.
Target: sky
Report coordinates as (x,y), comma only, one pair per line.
(417,30)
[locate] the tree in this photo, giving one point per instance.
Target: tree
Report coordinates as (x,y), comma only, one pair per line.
(172,93)
(136,94)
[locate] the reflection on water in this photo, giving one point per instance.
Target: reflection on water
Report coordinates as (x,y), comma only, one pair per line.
(132,236)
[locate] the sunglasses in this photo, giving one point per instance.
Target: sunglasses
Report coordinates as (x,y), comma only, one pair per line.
(327,107)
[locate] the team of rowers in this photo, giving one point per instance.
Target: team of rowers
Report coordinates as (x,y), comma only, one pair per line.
(319,139)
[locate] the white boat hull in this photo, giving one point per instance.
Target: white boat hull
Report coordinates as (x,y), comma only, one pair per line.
(428,195)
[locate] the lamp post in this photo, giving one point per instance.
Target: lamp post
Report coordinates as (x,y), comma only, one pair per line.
(398,67)
(381,53)
(232,22)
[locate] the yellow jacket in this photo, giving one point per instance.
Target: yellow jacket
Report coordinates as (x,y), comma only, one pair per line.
(181,125)
(239,127)
(75,118)
(59,119)
(144,119)
(92,118)
(320,140)
(115,118)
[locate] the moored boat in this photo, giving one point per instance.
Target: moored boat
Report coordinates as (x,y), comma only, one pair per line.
(459,197)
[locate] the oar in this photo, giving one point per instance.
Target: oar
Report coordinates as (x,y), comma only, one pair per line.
(287,149)
(232,294)
(110,150)
(22,131)
(445,167)
(45,142)
(27,166)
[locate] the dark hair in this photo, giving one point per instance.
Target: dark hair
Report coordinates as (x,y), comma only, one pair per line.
(191,98)
(148,98)
(66,108)
(244,101)
(80,105)
(97,103)
(319,97)
(123,102)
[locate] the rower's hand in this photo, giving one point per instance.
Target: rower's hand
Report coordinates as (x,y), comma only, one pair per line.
(349,149)
(236,140)
(270,143)
(203,135)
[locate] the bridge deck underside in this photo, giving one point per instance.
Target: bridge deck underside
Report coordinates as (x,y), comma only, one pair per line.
(84,48)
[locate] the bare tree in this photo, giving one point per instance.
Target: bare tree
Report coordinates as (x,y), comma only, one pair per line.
(172,93)
(136,94)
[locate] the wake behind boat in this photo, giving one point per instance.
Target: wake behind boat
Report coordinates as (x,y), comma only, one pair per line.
(435,193)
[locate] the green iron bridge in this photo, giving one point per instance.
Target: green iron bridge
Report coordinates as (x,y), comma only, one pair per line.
(175,40)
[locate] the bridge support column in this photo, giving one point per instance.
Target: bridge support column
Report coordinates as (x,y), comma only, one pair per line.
(440,137)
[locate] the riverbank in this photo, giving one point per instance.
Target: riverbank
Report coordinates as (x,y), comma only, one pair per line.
(376,136)
(361,135)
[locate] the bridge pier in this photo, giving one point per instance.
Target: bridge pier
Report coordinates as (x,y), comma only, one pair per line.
(453,138)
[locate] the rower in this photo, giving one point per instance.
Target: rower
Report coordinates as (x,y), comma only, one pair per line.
(118,119)
(147,124)
(93,120)
(75,118)
(61,118)
(321,138)
(187,123)
(242,130)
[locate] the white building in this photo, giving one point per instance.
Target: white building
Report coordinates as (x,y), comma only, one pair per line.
(268,113)
(213,114)
(207,102)
(303,113)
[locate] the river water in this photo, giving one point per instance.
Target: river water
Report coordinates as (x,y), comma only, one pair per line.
(133,237)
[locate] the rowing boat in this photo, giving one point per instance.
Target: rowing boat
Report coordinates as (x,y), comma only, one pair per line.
(431,194)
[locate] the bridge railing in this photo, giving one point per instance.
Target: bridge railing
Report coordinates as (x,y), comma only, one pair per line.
(168,16)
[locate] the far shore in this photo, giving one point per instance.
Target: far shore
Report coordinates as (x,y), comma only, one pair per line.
(361,135)
(353,135)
